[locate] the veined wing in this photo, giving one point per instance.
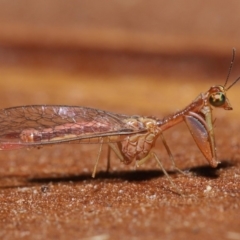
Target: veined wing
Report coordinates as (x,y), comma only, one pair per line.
(37,125)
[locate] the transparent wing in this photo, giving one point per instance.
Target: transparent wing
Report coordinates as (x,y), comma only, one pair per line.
(37,125)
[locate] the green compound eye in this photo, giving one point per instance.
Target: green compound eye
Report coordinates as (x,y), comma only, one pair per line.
(217,99)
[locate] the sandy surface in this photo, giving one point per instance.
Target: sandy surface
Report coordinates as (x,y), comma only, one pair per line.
(48,193)
(127,57)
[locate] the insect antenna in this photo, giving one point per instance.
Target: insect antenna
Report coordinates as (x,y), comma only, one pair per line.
(229,71)
(230,68)
(233,83)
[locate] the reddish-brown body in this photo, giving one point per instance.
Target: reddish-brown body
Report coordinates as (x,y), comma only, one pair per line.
(130,137)
(32,126)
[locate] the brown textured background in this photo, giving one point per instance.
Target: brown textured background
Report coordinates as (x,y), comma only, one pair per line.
(131,57)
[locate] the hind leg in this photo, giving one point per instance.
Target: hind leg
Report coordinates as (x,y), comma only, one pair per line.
(154,155)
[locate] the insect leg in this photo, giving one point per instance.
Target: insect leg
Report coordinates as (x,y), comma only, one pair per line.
(97,160)
(201,130)
(108,158)
(111,146)
(116,151)
(152,154)
(170,154)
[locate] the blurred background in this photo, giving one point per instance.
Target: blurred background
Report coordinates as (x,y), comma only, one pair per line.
(136,57)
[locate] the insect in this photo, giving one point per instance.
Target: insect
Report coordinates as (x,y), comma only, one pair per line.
(130,137)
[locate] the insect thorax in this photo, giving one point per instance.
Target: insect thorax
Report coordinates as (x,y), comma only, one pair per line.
(137,146)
